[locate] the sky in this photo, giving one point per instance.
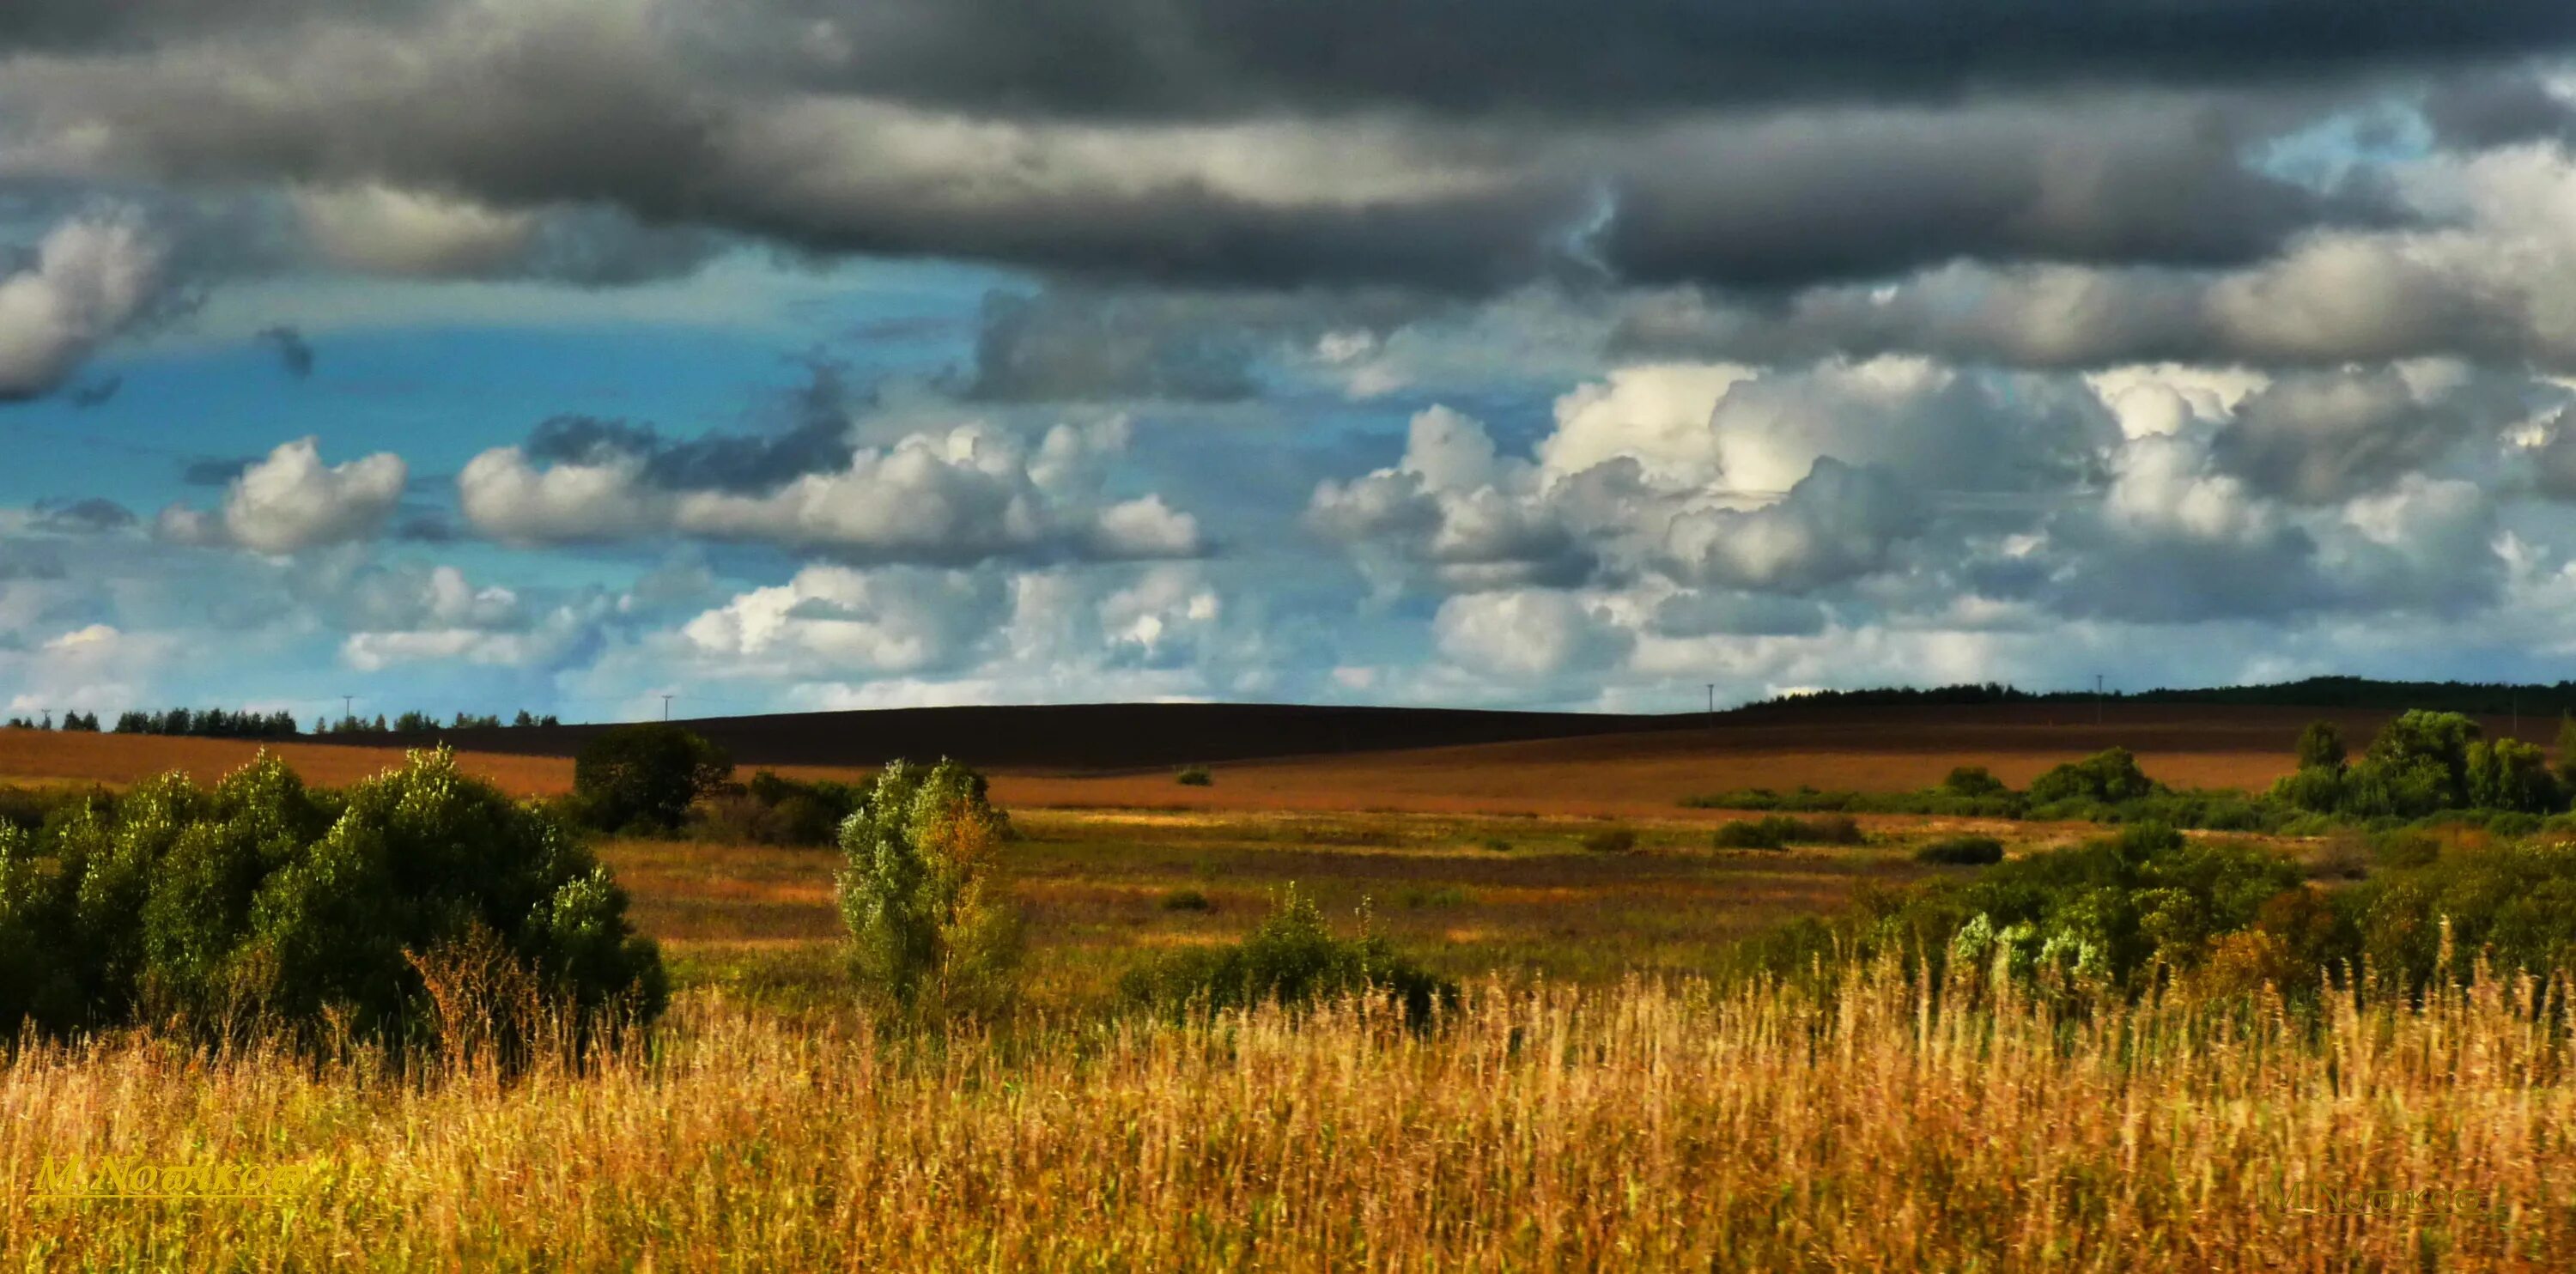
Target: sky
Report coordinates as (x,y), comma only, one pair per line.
(781,355)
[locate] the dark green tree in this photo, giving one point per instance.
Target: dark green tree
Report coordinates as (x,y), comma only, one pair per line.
(644,777)
(2321,746)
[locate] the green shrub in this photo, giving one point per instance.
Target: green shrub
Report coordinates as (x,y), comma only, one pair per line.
(2509,774)
(2321,747)
(2405,847)
(643,778)
(1433,897)
(1187,900)
(2515,903)
(263,901)
(1496,844)
(2109,776)
(2112,912)
(31,808)
(1972,781)
(1611,840)
(1749,833)
(1833,829)
(1777,831)
(1292,960)
(1970,851)
(772,810)
(1194,776)
(932,930)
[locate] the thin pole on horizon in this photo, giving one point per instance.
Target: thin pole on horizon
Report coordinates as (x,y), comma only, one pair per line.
(666,707)
(2097,698)
(1712,705)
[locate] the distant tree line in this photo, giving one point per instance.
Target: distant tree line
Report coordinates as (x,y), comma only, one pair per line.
(2361,693)
(210,723)
(412,723)
(2423,765)
(219,723)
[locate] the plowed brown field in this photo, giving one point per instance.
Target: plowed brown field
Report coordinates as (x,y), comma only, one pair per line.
(1644,774)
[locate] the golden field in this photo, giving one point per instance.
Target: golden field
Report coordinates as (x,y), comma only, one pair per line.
(1633,1127)
(1598,1103)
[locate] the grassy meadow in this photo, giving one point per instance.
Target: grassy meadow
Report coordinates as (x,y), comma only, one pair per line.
(1596,1101)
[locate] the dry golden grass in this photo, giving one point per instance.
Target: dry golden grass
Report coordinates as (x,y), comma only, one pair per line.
(1635,1127)
(1572,1115)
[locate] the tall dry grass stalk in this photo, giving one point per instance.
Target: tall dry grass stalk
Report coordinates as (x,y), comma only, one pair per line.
(1647,1126)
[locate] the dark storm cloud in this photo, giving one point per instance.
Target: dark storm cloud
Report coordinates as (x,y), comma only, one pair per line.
(57,24)
(294,353)
(1089,347)
(2322,437)
(2497,110)
(1073,343)
(636,160)
(1818,197)
(215,471)
(93,516)
(95,393)
(815,439)
(1180,58)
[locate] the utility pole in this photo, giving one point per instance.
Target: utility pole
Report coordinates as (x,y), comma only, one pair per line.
(666,707)
(348,707)
(1712,705)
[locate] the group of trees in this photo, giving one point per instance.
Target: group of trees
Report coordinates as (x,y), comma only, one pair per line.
(2425,762)
(422,723)
(2145,906)
(658,779)
(261,903)
(212,723)
(219,723)
(2488,698)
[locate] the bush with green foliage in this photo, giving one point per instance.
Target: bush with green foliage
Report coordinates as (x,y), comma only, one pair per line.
(1775,831)
(1194,776)
(1942,801)
(2509,774)
(933,933)
(262,902)
(1187,900)
(2321,747)
(1611,840)
(1961,851)
(2110,776)
(642,779)
(2514,903)
(31,808)
(1292,959)
(1972,781)
(774,810)
(2109,913)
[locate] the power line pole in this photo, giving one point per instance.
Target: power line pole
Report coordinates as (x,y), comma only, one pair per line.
(666,707)
(348,707)
(1712,705)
